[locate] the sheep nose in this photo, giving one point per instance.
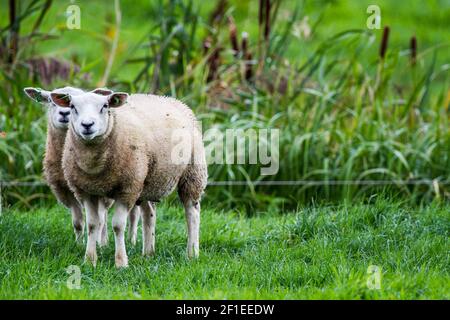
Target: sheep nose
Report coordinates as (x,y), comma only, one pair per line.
(64,113)
(87,125)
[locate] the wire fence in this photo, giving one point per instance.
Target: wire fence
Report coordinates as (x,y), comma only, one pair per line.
(329,182)
(275,182)
(430,182)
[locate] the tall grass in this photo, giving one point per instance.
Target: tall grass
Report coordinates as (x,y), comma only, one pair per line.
(354,112)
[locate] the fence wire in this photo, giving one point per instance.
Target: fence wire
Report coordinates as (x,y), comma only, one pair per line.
(431,182)
(275,182)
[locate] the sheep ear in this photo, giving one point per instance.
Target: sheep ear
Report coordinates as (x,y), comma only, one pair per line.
(102,91)
(61,99)
(37,94)
(117,99)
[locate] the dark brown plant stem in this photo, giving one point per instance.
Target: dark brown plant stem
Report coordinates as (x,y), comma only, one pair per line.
(263,49)
(233,36)
(248,67)
(214,63)
(3,50)
(267,16)
(244,44)
(261,12)
(384,42)
(247,56)
(260,27)
(413,45)
(14,32)
(218,12)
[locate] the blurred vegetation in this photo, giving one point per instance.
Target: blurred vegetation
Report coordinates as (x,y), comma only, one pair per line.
(345,110)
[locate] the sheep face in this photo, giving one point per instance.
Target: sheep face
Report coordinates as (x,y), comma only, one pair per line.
(58,116)
(89,115)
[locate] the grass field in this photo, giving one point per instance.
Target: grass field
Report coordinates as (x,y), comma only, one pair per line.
(315,252)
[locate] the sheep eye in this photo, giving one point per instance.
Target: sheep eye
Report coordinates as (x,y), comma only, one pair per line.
(104,107)
(72,107)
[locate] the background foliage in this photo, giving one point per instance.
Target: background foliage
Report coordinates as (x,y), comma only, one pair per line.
(347,109)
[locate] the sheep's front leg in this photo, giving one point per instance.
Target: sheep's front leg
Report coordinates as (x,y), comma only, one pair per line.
(93,223)
(119,223)
(192,210)
(133,226)
(148,228)
(77,220)
(103,220)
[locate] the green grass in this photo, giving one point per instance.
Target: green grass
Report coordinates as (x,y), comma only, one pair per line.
(316,252)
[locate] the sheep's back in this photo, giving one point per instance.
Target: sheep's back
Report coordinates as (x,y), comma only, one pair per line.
(159,122)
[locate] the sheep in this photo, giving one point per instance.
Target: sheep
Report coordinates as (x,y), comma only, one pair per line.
(58,119)
(121,147)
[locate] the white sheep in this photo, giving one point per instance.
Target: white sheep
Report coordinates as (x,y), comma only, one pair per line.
(127,154)
(58,120)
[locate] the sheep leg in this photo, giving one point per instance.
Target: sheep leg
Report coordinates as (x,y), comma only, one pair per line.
(103,219)
(148,228)
(104,239)
(77,220)
(119,223)
(192,210)
(133,226)
(93,223)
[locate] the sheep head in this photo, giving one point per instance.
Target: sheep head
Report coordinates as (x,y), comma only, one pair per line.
(59,117)
(89,111)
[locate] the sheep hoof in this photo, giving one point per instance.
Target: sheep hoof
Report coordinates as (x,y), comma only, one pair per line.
(192,254)
(91,258)
(133,240)
(148,253)
(102,243)
(121,261)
